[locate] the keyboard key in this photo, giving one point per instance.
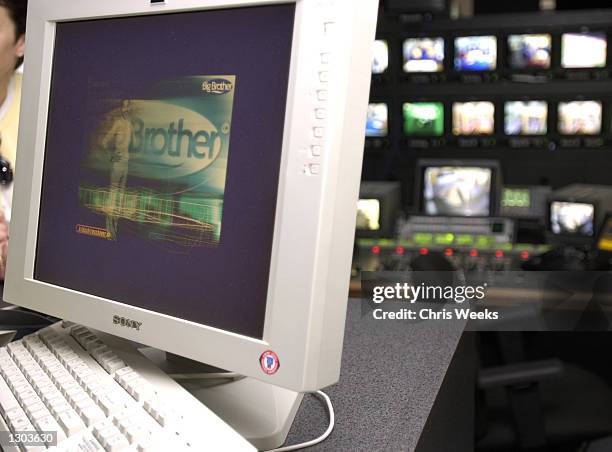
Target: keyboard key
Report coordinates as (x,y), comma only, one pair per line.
(70,422)
(87,444)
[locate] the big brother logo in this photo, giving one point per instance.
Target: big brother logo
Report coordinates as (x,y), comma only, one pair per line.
(170,141)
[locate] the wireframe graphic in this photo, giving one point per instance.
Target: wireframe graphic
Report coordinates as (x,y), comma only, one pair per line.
(164,158)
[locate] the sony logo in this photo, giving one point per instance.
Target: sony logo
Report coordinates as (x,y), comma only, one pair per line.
(128,323)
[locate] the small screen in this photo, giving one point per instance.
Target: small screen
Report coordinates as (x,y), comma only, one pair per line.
(605,239)
(580,118)
(424,55)
(526,118)
(584,50)
(476,53)
(457,191)
(530,51)
(572,218)
(368,214)
(424,119)
(377,124)
(516,197)
(380,61)
(473,118)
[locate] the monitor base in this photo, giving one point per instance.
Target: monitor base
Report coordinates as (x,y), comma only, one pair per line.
(262,413)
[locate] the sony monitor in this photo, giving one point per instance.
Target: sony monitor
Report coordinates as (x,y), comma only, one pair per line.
(476,53)
(473,118)
(584,50)
(163,176)
(526,118)
(423,119)
(530,51)
(458,188)
(580,117)
(377,123)
(380,60)
(423,55)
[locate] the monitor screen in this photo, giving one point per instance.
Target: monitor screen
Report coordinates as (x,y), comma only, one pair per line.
(580,117)
(377,124)
(516,197)
(457,191)
(476,53)
(368,215)
(584,50)
(423,119)
(572,218)
(380,61)
(473,118)
(161,166)
(526,118)
(424,55)
(530,51)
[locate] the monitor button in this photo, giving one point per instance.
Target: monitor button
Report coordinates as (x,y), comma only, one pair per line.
(325,57)
(324,76)
(315,168)
(315,150)
(322,95)
(320,113)
(318,132)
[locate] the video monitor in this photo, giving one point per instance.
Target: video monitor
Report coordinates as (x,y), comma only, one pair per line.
(476,53)
(457,191)
(584,50)
(530,51)
(580,117)
(424,55)
(368,215)
(473,118)
(423,119)
(377,124)
(526,118)
(380,61)
(516,197)
(572,218)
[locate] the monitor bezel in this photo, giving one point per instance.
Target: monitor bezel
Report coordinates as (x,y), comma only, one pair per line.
(571,235)
(305,310)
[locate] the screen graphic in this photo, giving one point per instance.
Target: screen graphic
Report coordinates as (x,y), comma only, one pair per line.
(457,191)
(380,61)
(424,119)
(368,214)
(572,218)
(377,124)
(580,117)
(526,118)
(473,118)
(584,50)
(530,51)
(476,53)
(165,161)
(424,55)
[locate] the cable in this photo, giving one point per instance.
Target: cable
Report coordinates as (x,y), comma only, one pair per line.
(321,438)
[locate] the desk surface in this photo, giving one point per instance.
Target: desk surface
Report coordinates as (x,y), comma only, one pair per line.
(391,373)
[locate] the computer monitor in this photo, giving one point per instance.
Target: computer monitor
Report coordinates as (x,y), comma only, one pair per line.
(530,51)
(380,60)
(423,55)
(476,53)
(423,119)
(458,188)
(576,212)
(377,124)
(473,118)
(580,117)
(378,209)
(526,118)
(584,50)
(225,224)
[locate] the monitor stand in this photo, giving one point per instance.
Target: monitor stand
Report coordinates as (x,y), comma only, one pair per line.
(262,413)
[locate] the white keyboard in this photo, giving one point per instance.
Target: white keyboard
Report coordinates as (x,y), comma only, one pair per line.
(100,395)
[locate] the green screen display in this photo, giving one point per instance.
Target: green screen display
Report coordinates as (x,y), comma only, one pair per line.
(424,119)
(516,197)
